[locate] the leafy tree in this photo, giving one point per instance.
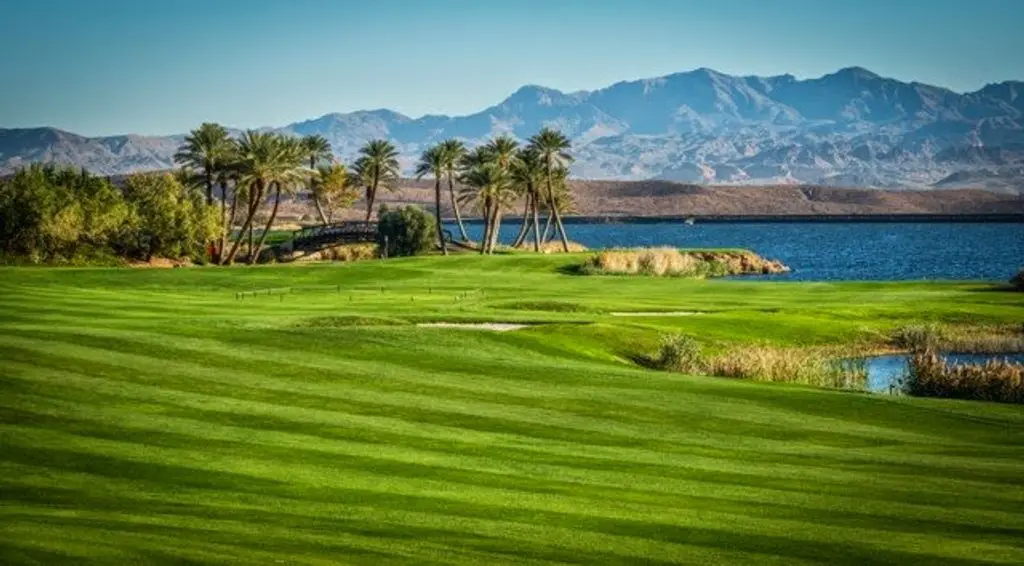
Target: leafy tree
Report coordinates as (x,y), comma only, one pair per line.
(407,230)
(165,219)
(377,166)
(52,214)
(553,148)
(317,149)
(432,162)
(332,190)
(453,151)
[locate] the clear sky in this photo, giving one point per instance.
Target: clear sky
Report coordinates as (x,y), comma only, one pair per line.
(101,67)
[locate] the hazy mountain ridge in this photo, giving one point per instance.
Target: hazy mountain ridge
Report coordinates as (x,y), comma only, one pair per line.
(852,127)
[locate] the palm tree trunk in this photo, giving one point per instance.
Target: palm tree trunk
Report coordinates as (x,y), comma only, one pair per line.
(209,187)
(266,230)
(554,210)
(495,229)
(319,210)
(371,195)
(255,196)
(228,223)
(224,227)
(547,227)
(437,213)
(486,236)
(536,225)
(525,227)
(455,207)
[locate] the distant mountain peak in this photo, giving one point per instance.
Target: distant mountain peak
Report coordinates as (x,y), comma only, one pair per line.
(850,127)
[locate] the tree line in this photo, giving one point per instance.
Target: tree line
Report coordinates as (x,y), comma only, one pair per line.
(260,165)
(209,208)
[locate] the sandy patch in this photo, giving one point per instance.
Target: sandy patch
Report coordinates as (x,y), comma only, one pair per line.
(492,326)
(657,313)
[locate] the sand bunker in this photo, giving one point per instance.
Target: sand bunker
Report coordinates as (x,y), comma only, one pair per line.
(492,326)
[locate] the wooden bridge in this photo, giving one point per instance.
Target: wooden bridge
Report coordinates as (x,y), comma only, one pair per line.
(352,232)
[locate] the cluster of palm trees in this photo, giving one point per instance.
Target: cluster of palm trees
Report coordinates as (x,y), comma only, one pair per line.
(255,167)
(261,166)
(495,175)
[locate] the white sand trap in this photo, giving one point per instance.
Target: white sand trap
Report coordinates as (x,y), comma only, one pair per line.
(492,326)
(656,313)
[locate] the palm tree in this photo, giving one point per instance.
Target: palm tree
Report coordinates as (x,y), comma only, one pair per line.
(206,149)
(553,146)
(266,162)
(316,149)
(453,151)
(502,151)
(331,186)
(490,187)
(377,166)
(528,174)
(432,162)
(209,149)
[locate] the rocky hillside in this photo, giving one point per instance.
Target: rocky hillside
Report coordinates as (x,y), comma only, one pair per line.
(848,128)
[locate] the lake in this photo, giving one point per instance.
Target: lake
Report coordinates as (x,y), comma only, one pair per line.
(821,251)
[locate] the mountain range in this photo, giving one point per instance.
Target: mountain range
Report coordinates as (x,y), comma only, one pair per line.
(848,128)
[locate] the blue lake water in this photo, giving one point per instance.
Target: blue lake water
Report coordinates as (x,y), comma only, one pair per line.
(832,251)
(888,371)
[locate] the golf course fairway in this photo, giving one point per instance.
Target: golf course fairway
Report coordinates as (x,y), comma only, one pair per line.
(299,415)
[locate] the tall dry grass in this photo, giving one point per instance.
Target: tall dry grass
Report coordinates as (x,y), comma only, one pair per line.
(789,365)
(817,367)
(931,375)
(672,262)
(959,339)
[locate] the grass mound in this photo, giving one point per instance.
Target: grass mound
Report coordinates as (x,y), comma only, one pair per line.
(342,321)
(672,262)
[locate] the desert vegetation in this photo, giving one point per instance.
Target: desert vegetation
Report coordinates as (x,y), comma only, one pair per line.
(672,262)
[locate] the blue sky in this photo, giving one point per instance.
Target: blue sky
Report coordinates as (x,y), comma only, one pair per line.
(101,67)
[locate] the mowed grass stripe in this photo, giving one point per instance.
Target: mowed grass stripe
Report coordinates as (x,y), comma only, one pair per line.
(226,429)
(507,417)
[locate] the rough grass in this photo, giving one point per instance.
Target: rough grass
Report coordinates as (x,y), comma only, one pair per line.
(148,416)
(672,262)
(959,338)
(931,375)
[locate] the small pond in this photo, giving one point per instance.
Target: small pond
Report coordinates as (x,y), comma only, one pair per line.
(885,373)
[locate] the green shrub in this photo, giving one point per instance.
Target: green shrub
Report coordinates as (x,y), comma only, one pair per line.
(681,353)
(405,231)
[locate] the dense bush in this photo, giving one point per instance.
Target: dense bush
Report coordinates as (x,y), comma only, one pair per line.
(1018,280)
(405,231)
(59,215)
(681,353)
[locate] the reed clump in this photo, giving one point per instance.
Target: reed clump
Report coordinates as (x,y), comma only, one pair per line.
(817,367)
(931,375)
(672,262)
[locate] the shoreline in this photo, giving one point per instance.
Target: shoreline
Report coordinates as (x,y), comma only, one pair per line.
(1000,218)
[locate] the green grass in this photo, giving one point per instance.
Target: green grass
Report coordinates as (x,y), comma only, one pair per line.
(150,416)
